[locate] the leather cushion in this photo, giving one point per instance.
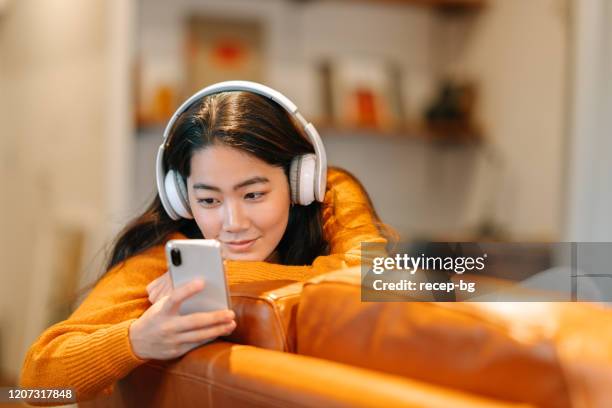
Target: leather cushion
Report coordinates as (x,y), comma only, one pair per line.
(459,345)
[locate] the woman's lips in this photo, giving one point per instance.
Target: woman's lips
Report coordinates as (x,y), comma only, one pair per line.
(240,246)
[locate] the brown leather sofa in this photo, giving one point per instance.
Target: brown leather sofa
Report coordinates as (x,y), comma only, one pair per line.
(317,344)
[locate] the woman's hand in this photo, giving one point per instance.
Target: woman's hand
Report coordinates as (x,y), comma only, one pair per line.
(159,288)
(161,333)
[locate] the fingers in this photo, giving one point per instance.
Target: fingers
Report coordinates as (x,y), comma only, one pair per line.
(152,287)
(156,293)
(159,286)
(153,294)
(196,321)
(206,333)
(182,293)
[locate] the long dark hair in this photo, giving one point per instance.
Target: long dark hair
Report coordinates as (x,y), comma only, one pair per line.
(253,124)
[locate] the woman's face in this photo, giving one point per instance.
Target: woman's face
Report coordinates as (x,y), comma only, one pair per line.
(239,200)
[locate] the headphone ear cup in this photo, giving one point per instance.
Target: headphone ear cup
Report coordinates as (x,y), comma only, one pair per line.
(182,192)
(302,178)
(176,192)
(294,179)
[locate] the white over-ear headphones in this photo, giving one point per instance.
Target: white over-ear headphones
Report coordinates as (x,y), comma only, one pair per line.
(307,176)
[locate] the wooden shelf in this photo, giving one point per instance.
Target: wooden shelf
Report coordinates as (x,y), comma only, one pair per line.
(441,138)
(326,129)
(438,138)
(455,5)
(440,5)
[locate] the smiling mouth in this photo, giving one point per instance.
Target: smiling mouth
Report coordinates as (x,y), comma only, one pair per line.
(240,246)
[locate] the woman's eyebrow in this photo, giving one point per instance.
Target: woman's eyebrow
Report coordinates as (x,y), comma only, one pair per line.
(254,180)
(250,181)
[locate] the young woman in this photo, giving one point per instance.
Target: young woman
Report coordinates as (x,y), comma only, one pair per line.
(237,165)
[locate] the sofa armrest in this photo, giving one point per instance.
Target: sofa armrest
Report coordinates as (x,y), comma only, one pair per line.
(266,314)
(222,374)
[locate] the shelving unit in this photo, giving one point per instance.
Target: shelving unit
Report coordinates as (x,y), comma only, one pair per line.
(427,168)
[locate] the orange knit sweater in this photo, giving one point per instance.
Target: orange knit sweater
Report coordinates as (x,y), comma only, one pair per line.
(91,350)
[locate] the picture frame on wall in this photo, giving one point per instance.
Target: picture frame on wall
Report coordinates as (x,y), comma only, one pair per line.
(361,94)
(214,49)
(221,49)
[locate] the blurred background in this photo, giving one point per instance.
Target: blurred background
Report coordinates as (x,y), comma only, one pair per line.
(466,120)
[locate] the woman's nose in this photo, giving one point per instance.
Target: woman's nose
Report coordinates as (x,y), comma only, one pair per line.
(234,218)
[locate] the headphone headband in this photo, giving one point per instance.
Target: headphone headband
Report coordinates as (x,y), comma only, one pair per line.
(247,86)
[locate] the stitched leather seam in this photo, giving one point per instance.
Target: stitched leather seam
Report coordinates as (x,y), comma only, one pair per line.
(259,296)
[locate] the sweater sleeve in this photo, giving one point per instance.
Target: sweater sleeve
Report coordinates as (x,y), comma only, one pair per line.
(91,350)
(348,221)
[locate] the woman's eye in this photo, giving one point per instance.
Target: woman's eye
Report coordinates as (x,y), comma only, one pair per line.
(208,202)
(254,196)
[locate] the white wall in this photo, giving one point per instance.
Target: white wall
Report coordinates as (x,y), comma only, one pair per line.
(518,51)
(590,190)
(56,80)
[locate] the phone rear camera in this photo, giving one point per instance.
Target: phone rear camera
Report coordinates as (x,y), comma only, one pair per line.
(175,257)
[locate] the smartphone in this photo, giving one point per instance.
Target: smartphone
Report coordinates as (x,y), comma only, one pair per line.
(190,259)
